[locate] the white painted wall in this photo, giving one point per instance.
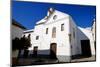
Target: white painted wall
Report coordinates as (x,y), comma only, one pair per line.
(75,46)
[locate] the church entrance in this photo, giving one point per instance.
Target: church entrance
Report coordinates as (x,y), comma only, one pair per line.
(53,48)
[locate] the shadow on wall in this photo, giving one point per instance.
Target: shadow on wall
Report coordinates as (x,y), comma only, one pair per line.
(51,55)
(38,54)
(85,43)
(37,59)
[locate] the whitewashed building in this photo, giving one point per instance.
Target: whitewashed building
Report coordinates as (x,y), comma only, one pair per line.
(58,36)
(16,29)
(94,32)
(16,32)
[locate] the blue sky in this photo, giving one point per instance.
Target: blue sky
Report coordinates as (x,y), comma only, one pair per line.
(28,13)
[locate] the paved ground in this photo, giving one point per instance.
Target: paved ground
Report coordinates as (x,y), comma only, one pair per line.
(36,61)
(93,58)
(40,61)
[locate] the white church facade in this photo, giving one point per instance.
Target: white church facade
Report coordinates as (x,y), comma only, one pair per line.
(57,35)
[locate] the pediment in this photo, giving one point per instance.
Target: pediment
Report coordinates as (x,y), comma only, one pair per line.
(57,15)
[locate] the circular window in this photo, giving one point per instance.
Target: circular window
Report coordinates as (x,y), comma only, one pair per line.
(55,17)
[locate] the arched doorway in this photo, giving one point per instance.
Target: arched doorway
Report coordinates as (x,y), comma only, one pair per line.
(53,48)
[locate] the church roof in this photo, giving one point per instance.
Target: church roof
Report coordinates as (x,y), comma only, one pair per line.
(14,22)
(50,12)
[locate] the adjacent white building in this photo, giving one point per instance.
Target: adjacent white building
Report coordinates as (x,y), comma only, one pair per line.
(94,32)
(16,32)
(58,36)
(17,29)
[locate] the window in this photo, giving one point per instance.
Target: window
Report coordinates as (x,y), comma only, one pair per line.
(55,17)
(46,30)
(70,38)
(37,37)
(62,27)
(54,32)
(73,33)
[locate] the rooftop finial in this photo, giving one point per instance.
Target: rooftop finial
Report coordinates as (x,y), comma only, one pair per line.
(50,11)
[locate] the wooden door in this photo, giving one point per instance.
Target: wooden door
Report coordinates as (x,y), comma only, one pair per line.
(35,50)
(53,47)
